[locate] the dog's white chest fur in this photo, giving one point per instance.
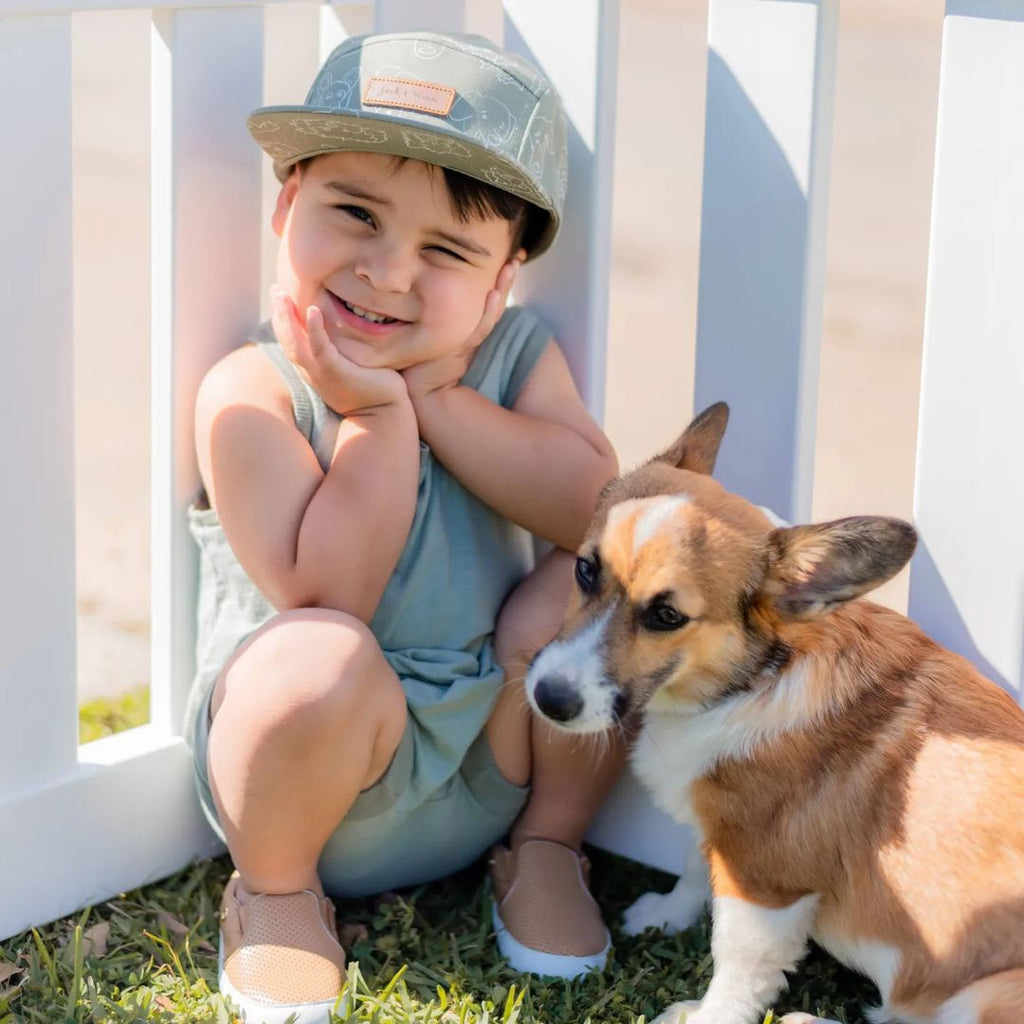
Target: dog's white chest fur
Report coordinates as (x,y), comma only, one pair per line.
(667,764)
(675,748)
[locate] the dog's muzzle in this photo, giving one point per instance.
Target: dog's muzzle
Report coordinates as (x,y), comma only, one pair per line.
(567,683)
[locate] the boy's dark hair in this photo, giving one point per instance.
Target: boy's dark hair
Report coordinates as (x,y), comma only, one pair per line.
(474,198)
(471,197)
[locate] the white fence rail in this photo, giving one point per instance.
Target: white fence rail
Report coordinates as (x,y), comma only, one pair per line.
(81,823)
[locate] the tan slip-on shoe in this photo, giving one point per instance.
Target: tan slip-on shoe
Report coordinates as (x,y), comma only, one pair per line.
(280,959)
(545,919)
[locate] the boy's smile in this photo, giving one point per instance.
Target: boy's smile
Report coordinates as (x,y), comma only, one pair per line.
(375,243)
(361,319)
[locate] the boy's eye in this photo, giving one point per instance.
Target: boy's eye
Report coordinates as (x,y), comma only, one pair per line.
(358,213)
(447,252)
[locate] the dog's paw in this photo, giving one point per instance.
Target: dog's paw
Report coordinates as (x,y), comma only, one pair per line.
(651,910)
(668,912)
(677,1013)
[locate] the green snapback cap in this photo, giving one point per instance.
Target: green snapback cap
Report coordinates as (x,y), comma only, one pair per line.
(457,101)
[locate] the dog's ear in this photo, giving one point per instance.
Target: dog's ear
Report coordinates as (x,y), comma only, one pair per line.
(812,569)
(697,447)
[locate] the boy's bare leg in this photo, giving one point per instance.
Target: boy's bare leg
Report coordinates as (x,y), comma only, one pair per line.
(306,715)
(546,921)
(569,775)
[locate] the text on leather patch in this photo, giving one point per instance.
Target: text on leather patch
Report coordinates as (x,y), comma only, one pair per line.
(401,92)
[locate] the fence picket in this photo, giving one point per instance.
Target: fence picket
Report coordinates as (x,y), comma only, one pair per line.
(37,607)
(967,583)
(338,22)
(486,18)
(771,72)
(570,288)
(206,295)
(440,15)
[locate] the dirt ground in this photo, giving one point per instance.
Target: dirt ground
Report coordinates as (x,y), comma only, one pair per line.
(873,313)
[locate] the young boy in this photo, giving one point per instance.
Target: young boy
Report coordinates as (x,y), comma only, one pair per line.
(373,465)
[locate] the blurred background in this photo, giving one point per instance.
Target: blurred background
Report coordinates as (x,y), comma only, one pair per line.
(879,202)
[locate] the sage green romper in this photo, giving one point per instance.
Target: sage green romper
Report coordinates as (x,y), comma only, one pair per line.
(442,801)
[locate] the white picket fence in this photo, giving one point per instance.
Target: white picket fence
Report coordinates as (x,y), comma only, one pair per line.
(81,823)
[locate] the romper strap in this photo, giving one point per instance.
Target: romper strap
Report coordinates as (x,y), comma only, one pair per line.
(316,421)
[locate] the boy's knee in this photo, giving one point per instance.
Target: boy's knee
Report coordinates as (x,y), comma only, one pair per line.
(532,614)
(316,665)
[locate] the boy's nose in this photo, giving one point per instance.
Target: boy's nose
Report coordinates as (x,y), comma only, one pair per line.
(386,268)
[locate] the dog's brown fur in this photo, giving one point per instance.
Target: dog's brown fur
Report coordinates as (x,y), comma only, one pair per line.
(893,782)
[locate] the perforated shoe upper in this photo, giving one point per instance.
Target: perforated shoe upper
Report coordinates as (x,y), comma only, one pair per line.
(280,949)
(542,895)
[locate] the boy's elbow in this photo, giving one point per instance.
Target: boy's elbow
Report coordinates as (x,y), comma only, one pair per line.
(356,594)
(289,595)
(290,588)
(296,598)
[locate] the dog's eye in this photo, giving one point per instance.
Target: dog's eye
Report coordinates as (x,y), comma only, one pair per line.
(586,574)
(663,617)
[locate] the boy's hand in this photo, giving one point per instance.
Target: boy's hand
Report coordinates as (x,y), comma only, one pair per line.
(425,378)
(344,385)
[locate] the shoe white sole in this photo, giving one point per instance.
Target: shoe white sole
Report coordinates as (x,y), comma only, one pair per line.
(550,965)
(253,1012)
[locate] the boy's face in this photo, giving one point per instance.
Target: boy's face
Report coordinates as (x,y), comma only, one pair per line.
(377,247)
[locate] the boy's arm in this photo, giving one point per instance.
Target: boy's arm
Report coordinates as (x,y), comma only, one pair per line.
(540,464)
(306,538)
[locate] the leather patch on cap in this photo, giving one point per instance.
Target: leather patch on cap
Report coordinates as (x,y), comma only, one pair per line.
(429,97)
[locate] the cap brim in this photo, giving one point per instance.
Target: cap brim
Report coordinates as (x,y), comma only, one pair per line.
(292,134)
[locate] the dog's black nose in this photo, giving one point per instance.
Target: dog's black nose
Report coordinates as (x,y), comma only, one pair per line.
(558,698)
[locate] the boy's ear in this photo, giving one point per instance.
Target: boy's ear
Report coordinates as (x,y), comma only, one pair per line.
(812,569)
(696,449)
(285,198)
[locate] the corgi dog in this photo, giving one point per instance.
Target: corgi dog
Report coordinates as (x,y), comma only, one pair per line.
(849,780)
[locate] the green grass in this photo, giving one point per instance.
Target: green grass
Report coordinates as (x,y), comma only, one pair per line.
(428,958)
(103,716)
